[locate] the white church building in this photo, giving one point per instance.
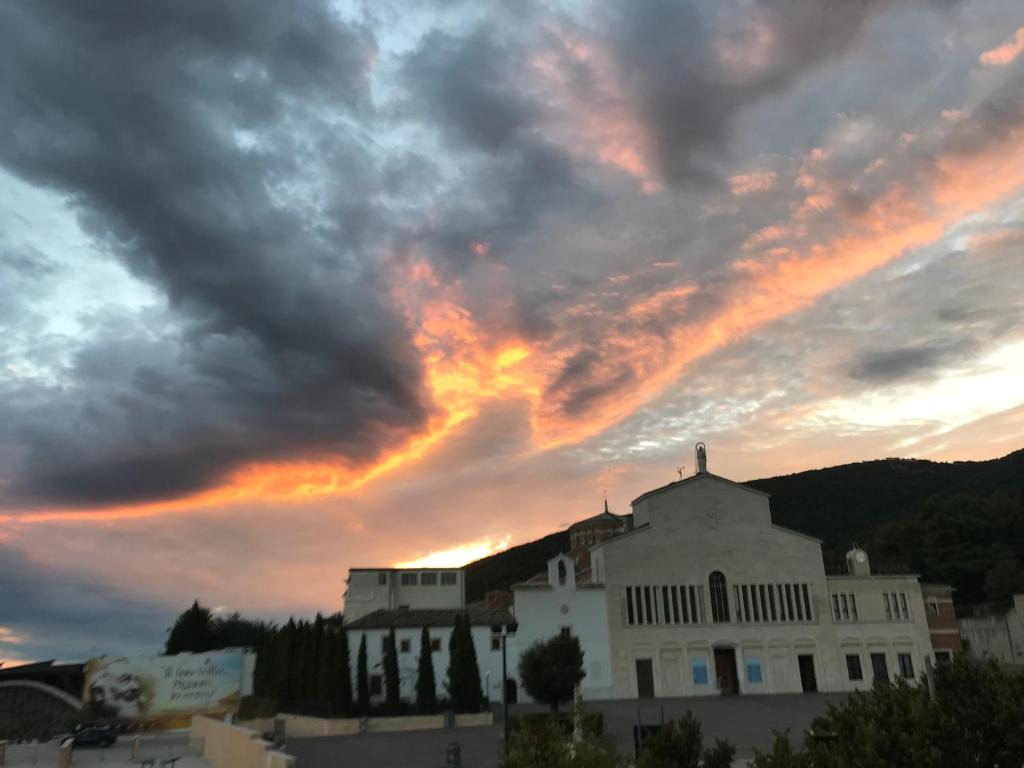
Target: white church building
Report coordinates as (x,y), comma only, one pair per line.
(699,593)
(704,595)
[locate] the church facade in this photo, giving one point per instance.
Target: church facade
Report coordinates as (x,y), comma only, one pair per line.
(704,595)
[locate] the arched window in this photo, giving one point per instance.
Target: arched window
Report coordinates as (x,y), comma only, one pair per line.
(719,597)
(561,572)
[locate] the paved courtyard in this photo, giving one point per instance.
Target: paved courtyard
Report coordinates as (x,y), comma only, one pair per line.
(747,721)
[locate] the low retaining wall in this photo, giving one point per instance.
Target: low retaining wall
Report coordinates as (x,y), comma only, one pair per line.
(234,746)
(297,726)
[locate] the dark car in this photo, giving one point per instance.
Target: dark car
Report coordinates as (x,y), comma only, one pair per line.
(94,736)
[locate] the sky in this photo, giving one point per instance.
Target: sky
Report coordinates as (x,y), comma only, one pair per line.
(291,288)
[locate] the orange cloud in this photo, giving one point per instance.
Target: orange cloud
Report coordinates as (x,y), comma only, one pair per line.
(1004,54)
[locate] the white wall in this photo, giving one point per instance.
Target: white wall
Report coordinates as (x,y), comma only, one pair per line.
(876,632)
(998,636)
(488,661)
(364,593)
(542,611)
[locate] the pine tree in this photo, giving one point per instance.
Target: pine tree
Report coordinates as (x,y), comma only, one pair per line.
(283,677)
(325,674)
(426,693)
(392,685)
(343,672)
(192,631)
(362,675)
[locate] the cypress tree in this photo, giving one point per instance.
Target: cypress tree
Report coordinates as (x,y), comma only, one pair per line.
(343,672)
(392,685)
(426,693)
(325,668)
(474,699)
(453,677)
(283,662)
(362,675)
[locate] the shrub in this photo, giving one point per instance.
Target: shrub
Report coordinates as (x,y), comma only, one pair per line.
(677,744)
(542,743)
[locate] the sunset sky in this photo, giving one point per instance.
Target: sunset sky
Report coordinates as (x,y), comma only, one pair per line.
(288,288)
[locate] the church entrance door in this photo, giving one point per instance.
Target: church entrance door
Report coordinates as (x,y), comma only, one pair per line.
(645,678)
(725,671)
(808,680)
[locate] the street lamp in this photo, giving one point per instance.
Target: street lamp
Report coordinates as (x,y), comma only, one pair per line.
(504,630)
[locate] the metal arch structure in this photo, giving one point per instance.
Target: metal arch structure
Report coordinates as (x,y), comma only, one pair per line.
(57,693)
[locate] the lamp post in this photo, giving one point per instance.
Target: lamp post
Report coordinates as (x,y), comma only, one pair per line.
(504,630)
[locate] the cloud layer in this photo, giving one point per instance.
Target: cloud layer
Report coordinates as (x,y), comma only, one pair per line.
(327,275)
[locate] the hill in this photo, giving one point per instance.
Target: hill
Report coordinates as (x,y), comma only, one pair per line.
(950,522)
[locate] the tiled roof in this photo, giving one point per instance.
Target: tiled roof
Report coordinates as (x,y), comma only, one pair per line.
(430,617)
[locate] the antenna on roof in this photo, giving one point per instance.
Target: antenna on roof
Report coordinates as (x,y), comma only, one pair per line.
(606,500)
(679,469)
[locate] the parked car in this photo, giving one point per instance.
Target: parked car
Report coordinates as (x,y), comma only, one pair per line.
(94,736)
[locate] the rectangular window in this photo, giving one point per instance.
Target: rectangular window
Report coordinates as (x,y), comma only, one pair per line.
(853,607)
(789,602)
(667,611)
(648,610)
(630,619)
(753,669)
(796,597)
(435,644)
(675,605)
(846,608)
(700,604)
(682,602)
(903,603)
(409,579)
(853,670)
(495,642)
(382,579)
(746,604)
(693,605)
(764,603)
(906,665)
(933,609)
(783,616)
(888,610)
(404,646)
(700,672)
(448,579)
(565,632)
(943,657)
(808,613)
(375,685)
(771,601)
(428,579)
(835,608)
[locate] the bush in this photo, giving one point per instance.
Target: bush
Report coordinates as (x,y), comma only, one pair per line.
(542,743)
(719,756)
(593,723)
(677,744)
(974,717)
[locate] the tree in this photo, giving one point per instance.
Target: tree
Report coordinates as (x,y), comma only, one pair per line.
(463,680)
(192,631)
(326,666)
(551,669)
(426,690)
(543,744)
(362,675)
(342,694)
(392,684)
(1004,580)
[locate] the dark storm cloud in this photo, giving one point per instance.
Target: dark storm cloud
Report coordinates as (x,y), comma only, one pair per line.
(63,615)
(692,70)
(180,132)
(886,365)
(474,91)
